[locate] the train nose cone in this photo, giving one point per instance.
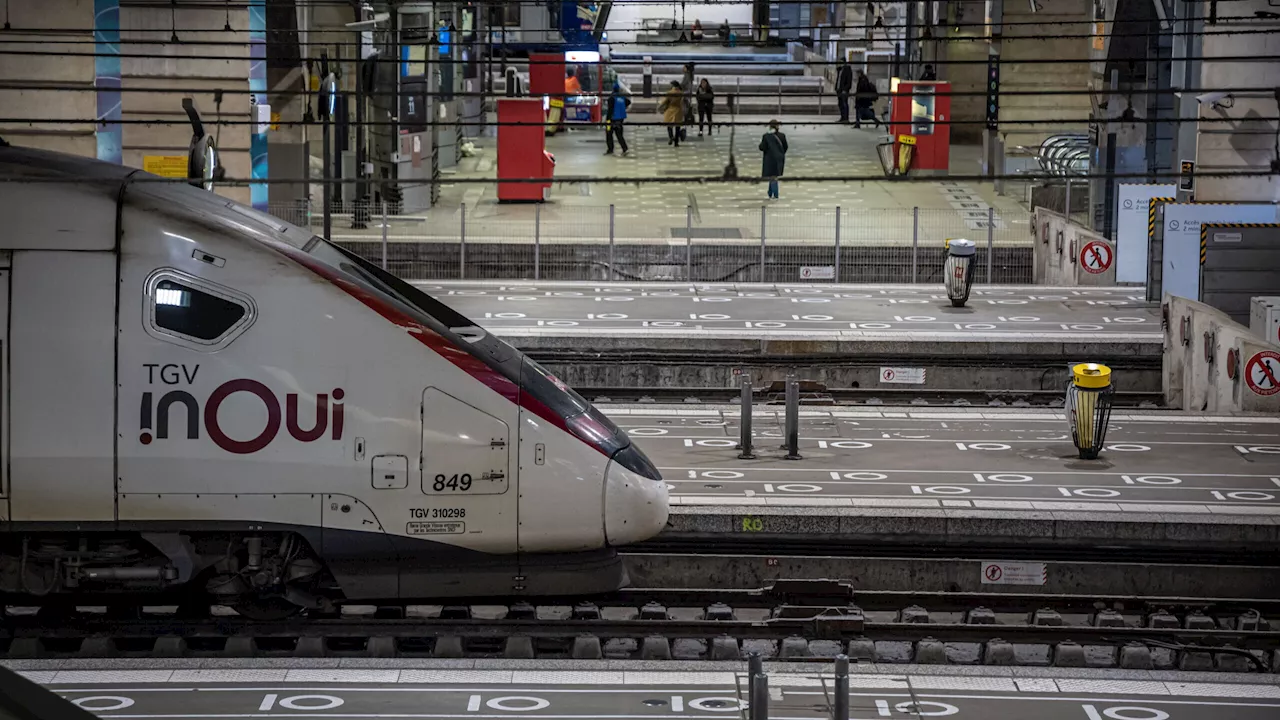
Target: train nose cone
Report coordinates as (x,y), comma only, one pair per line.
(635,507)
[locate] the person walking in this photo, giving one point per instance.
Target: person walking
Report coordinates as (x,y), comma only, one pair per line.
(865,95)
(844,85)
(672,109)
(706,104)
(774,147)
(617,107)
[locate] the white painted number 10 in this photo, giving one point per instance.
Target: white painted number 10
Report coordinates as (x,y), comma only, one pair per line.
(1125,712)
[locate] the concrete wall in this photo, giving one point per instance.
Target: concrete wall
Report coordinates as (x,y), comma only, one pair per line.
(1245,142)
(965,66)
(1058,257)
(625,17)
(167,131)
(174,68)
(1199,341)
(1023,42)
(67,21)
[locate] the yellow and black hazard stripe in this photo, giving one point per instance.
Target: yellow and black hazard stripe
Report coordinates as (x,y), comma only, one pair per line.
(1206,227)
(1151,215)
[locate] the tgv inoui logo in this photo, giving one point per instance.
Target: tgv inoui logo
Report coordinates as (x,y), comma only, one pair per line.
(154,415)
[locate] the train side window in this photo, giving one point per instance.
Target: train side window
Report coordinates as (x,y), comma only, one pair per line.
(194,312)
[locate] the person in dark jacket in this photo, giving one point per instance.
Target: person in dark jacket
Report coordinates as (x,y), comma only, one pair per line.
(774,147)
(844,85)
(706,103)
(929,74)
(865,96)
(687,84)
(617,107)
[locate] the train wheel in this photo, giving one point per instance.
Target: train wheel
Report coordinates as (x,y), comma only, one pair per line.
(265,608)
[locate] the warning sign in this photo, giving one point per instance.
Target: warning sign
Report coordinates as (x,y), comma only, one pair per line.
(1262,373)
(170,166)
(1095,257)
(905,375)
(1004,573)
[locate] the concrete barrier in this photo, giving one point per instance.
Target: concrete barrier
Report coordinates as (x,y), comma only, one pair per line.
(1067,254)
(1213,364)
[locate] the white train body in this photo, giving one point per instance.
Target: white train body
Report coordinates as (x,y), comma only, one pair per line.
(194,390)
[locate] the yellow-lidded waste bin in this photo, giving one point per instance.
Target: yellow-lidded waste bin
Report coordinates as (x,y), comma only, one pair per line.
(1090,395)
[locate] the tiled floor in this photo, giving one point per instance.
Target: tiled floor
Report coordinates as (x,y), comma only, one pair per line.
(873,210)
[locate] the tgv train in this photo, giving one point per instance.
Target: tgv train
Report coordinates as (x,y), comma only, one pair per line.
(198,396)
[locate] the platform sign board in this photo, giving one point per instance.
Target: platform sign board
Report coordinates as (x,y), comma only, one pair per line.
(1014,573)
(1133,203)
(170,166)
(1180,268)
(902,375)
(818,272)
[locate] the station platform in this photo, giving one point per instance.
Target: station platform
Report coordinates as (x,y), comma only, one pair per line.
(703,335)
(1001,482)
(550,689)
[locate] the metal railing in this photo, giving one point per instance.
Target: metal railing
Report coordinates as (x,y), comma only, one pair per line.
(755,244)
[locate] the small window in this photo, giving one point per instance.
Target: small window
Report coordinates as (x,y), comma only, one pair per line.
(187,311)
(194,312)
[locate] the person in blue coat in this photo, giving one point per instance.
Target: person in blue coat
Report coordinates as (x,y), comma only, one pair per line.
(774,147)
(616,107)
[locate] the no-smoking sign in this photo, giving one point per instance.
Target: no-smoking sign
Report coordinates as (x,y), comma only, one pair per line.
(1095,257)
(1262,373)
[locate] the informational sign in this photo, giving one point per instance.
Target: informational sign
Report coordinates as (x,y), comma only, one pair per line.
(1095,257)
(1133,204)
(1006,573)
(902,375)
(1187,183)
(170,166)
(818,272)
(1262,373)
(1182,223)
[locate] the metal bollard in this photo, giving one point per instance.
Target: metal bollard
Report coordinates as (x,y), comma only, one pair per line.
(611,241)
(836,271)
(746,408)
(688,243)
(755,666)
(537,241)
(384,234)
(991,236)
(462,243)
(840,711)
(762,216)
(792,445)
(915,241)
(760,698)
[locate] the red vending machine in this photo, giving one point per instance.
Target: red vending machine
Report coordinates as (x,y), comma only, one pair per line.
(546,79)
(522,150)
(919,114)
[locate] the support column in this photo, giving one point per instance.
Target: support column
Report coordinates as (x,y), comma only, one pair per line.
(259,192)
(106,67)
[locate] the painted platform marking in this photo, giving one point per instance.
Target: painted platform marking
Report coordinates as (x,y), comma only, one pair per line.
(94,703)
(1125,712)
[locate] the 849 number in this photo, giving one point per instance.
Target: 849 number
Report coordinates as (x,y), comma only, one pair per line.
(456,483)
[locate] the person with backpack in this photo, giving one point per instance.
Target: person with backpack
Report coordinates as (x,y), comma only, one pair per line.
(865,96)
(774,147)
(617,115)
(844,85)
(672,109)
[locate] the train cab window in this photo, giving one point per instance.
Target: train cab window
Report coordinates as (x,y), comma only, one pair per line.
(189,311)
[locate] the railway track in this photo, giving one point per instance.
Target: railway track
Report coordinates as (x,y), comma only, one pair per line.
(791,620)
